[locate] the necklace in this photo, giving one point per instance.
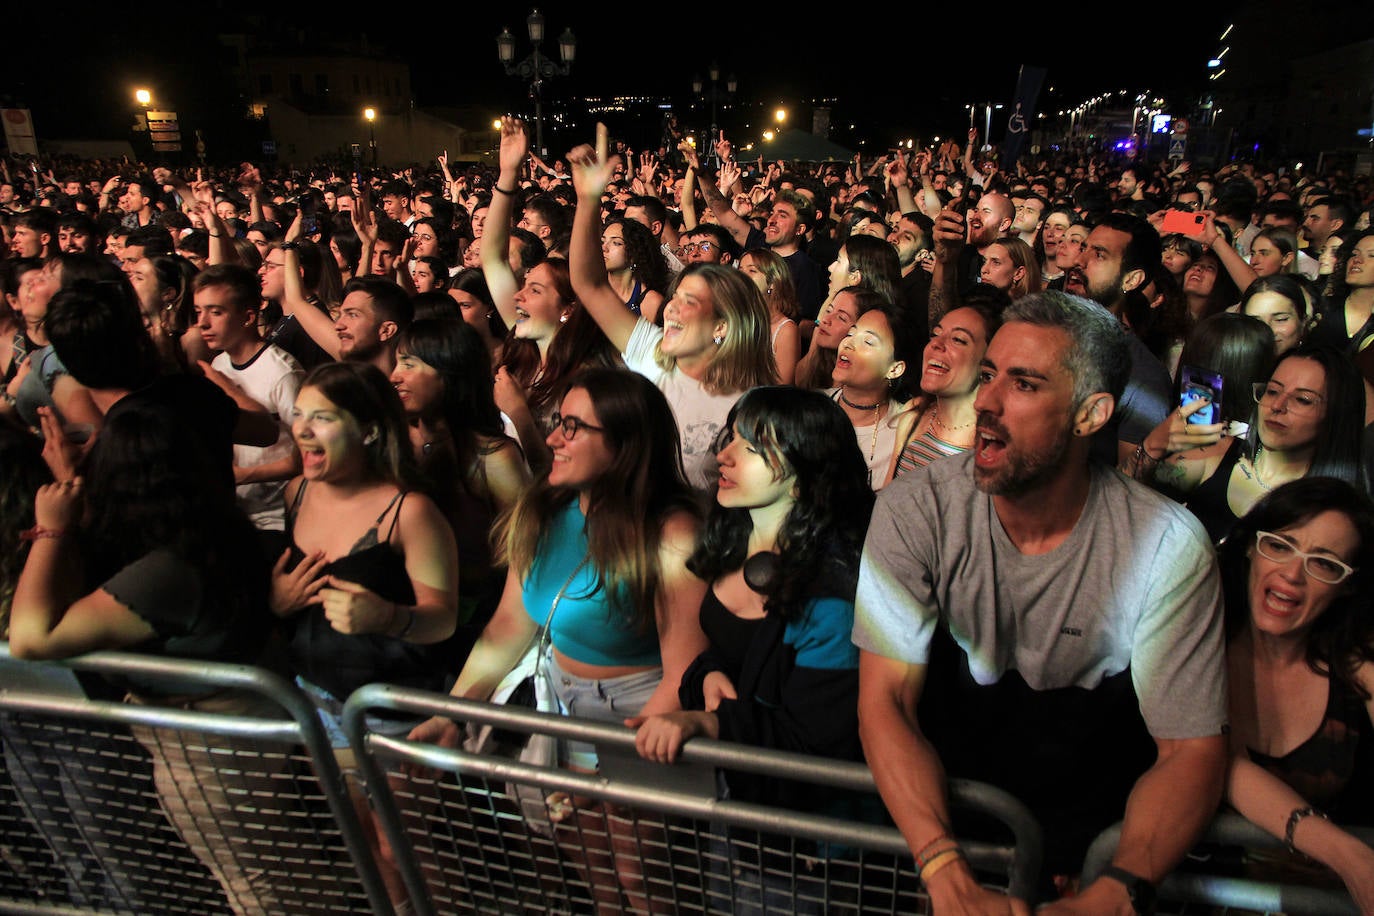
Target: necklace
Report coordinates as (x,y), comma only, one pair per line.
(873,436)
(428,447)
(849,403)
(1259,451)
(936,421)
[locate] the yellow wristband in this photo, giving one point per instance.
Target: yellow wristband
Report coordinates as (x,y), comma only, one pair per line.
(938,862)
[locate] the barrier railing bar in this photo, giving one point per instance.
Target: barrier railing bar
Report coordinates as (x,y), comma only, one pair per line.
(1021,865)
(289,697)
(1231,829)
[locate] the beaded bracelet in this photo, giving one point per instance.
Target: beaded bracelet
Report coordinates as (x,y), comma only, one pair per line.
(1293,819)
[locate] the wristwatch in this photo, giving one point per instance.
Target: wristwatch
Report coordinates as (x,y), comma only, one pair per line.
(1141,892)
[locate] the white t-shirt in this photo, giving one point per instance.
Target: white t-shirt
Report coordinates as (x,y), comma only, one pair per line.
(272,378)
(700,415)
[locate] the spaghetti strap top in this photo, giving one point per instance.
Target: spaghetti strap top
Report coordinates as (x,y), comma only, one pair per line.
(637,295)
(1209,502)
(343,662)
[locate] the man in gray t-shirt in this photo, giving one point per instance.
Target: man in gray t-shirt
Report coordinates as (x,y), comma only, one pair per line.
(1023,613)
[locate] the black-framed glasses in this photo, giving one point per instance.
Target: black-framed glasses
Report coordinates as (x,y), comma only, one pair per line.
(1320,566)
(571,426)
(1299,400)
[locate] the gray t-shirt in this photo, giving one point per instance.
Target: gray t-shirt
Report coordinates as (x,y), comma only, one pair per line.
(1134,584)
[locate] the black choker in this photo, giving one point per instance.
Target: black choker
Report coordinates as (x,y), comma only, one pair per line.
(849,403)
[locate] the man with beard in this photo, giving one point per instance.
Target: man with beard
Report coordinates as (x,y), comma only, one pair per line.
(1029,618)
(1115,263)
(959,245)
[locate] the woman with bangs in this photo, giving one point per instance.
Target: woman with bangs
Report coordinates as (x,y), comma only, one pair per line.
(600,546)
(780,550)
(1300,658)
(714,341)
(550,337)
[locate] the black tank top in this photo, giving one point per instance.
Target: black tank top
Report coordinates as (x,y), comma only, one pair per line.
(1209,503)
(342,662)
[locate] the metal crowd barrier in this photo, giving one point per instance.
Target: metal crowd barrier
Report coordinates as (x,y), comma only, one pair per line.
(1192,889)
(147,808)
(638,834)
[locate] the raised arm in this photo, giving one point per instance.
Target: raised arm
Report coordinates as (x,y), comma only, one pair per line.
(591,172)
(293,302)
(900,180)
(729,220)
(950,238)
(1242,274)
(515,146)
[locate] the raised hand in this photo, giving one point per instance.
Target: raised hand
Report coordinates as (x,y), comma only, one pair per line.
(591,170)
(515,145)
(897,174)
(689,152)
(723,148)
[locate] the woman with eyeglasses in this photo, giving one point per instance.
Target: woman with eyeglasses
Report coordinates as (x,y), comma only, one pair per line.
(1301,669)
(1308,420)
(601,544)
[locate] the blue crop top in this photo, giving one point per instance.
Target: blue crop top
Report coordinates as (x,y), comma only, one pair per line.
(586,628)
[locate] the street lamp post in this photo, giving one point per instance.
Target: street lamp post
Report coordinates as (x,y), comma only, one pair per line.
(536,67)
(371,115)
(716,95)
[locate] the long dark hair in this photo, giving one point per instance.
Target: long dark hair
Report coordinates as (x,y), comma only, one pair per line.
(1238,348)
(578,344)
(468,410)
(806,434)
(1339,449)
(1342,638)
(647,264)
(154,485)
(367,395)
(627,504)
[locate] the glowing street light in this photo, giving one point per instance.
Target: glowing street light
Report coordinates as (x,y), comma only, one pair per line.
(143,97)
(780,115)
(370,114)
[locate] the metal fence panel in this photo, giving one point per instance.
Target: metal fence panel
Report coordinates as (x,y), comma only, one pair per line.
(641,835)
(1198,888)
(232,803)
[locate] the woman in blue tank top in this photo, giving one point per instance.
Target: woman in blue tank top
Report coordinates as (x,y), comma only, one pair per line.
(606,535)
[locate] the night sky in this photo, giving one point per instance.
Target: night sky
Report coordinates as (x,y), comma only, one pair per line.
(79,85)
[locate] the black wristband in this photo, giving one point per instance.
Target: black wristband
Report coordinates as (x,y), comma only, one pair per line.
(1141,892)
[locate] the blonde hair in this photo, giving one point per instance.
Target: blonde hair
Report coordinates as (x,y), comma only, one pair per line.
(744,359)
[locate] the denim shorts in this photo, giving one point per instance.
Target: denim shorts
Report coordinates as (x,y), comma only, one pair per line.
(611,699)
(330,709)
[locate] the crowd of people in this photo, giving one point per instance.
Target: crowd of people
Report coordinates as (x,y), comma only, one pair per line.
(1053,474)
